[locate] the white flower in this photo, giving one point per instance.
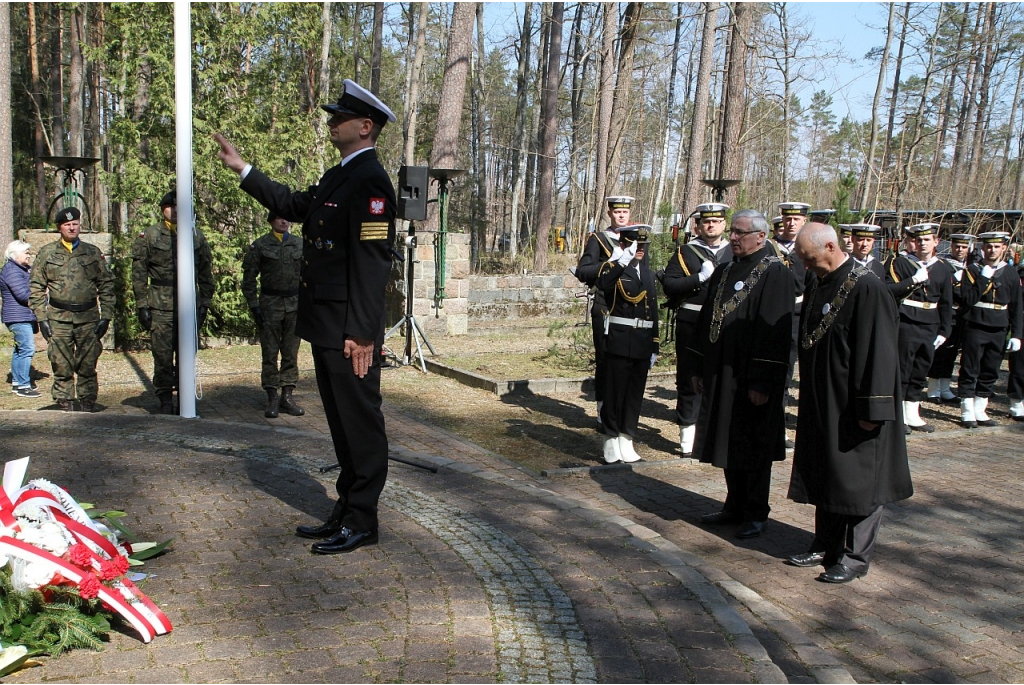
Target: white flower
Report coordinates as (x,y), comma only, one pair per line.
(31,574)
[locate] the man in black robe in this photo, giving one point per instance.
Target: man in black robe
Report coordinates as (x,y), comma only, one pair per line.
(740,361)
(851,451)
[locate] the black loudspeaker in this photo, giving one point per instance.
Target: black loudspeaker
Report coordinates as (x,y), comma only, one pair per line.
(413,183)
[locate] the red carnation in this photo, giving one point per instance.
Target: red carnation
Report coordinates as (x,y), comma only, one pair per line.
(116,567)
(89,588)
(80,555)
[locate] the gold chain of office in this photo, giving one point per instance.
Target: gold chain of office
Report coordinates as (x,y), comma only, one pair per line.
(809,341)
(722,310)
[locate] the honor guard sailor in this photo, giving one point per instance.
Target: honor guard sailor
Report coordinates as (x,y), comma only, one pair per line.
(69,279)
(862,244)
(631,339)
(684,281)
(598,250)
(794,216)
(348,228)
(921,284)
(940,375)
(991,297)
(846,237)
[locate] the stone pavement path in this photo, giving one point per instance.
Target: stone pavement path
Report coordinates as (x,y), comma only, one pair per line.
(478,577)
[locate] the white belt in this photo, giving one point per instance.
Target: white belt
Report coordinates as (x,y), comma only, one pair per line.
(991,305)
(632,323)
(690,306)
(920,305)
(799,299)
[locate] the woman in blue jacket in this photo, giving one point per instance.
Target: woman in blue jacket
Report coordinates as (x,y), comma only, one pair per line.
(18,317)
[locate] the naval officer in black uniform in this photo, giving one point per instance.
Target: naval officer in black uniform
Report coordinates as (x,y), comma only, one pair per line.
(348,225)
(862,244)
(684,281)
(991,299)
(597,250)
(631,339)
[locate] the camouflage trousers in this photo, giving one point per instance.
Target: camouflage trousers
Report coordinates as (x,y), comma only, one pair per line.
(73,350)
(164,343)
(278,337)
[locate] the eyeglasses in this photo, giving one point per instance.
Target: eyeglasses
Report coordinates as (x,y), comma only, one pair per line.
(736,231)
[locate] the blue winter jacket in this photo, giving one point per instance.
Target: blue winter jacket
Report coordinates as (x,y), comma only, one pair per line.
(14,289)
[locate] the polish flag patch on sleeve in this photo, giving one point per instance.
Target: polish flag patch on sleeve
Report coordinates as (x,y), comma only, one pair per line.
(376,205)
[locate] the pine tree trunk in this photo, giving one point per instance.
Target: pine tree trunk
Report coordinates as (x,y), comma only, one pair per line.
(548,137)
(76,77)
(966,114)
(412,83)
(869,160)
(324,82)
(480,209)
(730,160)
(978,144)
(695,153)
(518,139)
(669,111)
(6,143)
(623,92)
(606,100)
(57,82)
(375,48)
(39,131)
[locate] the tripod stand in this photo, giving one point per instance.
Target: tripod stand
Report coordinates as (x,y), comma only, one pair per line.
(412,326)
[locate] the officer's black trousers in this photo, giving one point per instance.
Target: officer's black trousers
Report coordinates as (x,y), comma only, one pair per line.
(945,356)
(597,328)
(747,492)
(1015,383)
(980,360)
(916,347)
(352,407)
(846,539)
(687,401)
(626,380)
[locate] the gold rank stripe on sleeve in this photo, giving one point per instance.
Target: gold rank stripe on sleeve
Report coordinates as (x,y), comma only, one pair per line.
(373,230)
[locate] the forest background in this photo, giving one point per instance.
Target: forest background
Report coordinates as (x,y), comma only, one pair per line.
(551,108)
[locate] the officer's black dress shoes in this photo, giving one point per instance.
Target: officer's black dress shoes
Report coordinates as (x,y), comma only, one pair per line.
(751,529)
(721,518)
(324,530)
(988,423)
(926,428)
(345,541)
(806,560)
(840,573)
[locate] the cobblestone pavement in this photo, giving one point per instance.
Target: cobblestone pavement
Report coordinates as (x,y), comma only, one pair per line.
(488,573)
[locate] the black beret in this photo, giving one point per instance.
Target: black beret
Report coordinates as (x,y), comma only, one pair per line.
(170,199)
(68,214)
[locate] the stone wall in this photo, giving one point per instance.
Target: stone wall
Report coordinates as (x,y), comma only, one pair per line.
(452,317)
(495,298)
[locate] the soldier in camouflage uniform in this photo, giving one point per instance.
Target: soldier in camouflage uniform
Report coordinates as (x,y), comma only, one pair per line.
(276,258)
(68,278)
(154,270)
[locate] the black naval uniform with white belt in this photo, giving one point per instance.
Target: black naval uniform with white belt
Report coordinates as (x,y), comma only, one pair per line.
(926,312)
(991,306)
(945,356)
(1015,382)
(597,250)
(681,282)
(631,338)
(348,224)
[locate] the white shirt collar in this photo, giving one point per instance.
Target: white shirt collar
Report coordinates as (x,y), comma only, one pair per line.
(349,158)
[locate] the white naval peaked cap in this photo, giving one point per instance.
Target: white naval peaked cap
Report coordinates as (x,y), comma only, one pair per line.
(357,100)
(794,208)
(961,238)
(861,230)
(712,210)
(922,229)
(994,237)
(776,221)
(620,201)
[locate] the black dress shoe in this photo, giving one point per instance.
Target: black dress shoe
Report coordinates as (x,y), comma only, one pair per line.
(840,573)
(926,428)
(324,530)
(721,518)
(969,424)
(751,529)
(806,560)
(345,541)
(988,423)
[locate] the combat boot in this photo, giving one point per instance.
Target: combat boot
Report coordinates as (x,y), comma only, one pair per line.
(287,404)
(88,406)
(166,403)
(66,405)
(273,403)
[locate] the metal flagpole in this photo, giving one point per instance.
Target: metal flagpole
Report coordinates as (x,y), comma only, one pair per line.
(186,285)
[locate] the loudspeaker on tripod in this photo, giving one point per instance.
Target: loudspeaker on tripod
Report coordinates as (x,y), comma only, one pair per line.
(413,183)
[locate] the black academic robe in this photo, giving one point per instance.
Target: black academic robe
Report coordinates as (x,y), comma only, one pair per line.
(748,351)
(848,374)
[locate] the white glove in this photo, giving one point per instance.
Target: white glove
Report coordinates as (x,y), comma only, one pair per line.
(706,269)
(654,356)
(958,275)
(939,339)
(920,276)
(627,254)
(987,271)
(616,253)
(1013,345)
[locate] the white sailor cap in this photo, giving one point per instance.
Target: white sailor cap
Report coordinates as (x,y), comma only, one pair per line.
(776,222)
(861,230)
(962,238)
(639,233)
(357,100)
(711,210)
(994,237)
(794,208)
(922,229)
(619,201)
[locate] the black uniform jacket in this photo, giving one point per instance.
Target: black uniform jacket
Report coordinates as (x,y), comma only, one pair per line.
(993,302)
(348,222)
(936,293)
(787,253)
(742,343)
(630,295)
(848,373)
(681,279)
(596,251)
